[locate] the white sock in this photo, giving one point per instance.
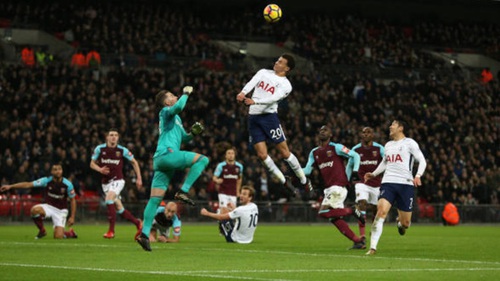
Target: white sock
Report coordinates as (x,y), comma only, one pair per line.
(295,165)
(377,228)
(273,169)
(401,226)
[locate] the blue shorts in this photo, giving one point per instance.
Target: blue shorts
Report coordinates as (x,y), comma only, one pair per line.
(401,194)
(264,127)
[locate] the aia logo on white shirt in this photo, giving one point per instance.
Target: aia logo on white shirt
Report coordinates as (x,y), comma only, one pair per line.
(266,87)
(393,158)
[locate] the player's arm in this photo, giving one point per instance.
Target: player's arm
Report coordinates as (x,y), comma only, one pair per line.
(218,171)
(93,162)
(238,186)
(350,162)
(196,129)
(72,197)
(137,171)
(381,148)
(71,219)
(422,163)
(181,102)
(24,184)
(379,170)
(186,137)
(350,154)
(174,239)
(310,162)
(249,86)
(224,216)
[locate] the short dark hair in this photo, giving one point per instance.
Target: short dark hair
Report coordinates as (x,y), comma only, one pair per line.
(160,99)
(113,130)
(290,60)
(403,124)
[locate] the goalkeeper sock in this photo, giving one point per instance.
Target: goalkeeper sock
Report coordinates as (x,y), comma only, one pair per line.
(194,172)
(273,169)
(149,214)
(293,162)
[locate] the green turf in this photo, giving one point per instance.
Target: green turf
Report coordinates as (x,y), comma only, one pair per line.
(279,252)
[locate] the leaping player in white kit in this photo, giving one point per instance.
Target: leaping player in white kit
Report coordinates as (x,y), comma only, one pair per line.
(269,87)
(398,182)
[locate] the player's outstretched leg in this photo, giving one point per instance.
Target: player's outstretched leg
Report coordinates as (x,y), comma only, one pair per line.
(149,215)
(193,174)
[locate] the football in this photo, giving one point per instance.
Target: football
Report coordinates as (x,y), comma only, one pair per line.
(272,13)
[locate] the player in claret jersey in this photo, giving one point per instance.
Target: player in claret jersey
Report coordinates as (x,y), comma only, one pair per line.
(108,159)
(371,154)
(398,182)
(228,176)
(57,191)
(329,157)
(270,87)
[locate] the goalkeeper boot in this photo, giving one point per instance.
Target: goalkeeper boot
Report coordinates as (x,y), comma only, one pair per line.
(144,242)
(182,196)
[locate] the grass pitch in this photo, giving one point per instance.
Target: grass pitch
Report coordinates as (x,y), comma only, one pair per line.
(279,252)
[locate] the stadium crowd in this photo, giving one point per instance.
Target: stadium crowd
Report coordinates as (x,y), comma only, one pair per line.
(56,113)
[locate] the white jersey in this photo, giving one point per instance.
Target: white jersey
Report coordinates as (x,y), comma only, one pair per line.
(268,89)
(398,161)
(246,218)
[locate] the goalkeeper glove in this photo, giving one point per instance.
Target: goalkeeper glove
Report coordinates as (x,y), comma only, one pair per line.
(187,90)
(355,177)
(197,128)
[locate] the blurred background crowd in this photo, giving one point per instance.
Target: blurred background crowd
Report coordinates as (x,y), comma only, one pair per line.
(58,111)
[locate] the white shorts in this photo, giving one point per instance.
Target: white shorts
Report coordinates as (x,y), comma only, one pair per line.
(368,193)
(115,186)
(334,197)
(58,216)
(224,199)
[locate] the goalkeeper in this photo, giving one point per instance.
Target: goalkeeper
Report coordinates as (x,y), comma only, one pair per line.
(169,157)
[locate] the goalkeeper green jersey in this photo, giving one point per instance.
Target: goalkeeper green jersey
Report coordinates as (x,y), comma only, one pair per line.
(172,133)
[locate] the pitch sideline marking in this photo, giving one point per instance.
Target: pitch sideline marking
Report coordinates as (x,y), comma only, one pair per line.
(213,273)
(267,252)
(178,273)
